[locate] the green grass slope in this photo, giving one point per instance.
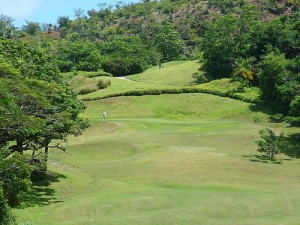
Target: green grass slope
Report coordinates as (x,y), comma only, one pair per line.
(168,159)
(174,78)
(176,73)
(120,86)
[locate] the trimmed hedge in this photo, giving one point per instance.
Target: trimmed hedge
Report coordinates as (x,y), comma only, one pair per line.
(191,89)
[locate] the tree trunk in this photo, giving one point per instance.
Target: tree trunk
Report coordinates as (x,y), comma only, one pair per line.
(46,155)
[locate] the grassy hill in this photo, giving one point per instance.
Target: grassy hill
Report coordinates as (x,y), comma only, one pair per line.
(174,77)
(174,74)
(168,159)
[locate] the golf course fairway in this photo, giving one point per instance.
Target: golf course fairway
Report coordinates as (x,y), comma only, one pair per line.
(187,159)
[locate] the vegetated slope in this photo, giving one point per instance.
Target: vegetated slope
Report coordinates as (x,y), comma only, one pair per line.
(168,159)
(174,74)
(173,78)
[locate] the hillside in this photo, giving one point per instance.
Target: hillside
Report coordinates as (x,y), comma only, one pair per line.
(203,113)
(185,159)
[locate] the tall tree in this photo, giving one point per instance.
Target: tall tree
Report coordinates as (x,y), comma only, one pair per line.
(168,42)
(31,28)
(43,107)
(6,26)
(226,39)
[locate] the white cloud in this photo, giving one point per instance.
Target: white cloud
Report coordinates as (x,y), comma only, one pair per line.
(18,9)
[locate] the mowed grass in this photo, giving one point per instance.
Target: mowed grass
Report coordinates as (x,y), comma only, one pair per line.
(171,159)
(120,86)
(174,74)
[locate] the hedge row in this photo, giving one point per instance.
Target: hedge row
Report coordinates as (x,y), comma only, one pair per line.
(246,97)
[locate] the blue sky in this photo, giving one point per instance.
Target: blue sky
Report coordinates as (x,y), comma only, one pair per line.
(47,11)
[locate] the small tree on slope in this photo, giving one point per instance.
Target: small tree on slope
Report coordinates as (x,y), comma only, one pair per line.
(270,143)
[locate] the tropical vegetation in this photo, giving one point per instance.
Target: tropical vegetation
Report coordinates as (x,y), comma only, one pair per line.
(238,49)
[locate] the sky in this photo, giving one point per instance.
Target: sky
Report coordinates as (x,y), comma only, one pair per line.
(47,11)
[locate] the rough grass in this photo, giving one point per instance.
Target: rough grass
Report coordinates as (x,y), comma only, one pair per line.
(69,75)
(168,159)
(83,85)
(121,86)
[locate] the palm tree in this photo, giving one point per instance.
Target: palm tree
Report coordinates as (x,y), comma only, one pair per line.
(244,68)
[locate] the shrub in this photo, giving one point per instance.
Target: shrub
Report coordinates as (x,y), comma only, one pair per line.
(83,85)
(6,216)
(200,77)
(103,73)
(224,87)
(124,66)
(270,143)
(86,90)
(103,83)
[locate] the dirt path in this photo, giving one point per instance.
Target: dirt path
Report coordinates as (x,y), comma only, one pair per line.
(123,78)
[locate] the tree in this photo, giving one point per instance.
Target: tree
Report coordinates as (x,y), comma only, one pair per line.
(6,216)
(244,68)
(168,42)
(281,33)
(38,109)
(44,112)
(123,66)
(78,55)
(128,55)
(15,173)
(64,24)
(274,80)
(32,28)
(226,39)
(6,26)
(270,143)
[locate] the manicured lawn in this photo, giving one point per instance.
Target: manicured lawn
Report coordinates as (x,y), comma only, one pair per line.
(168,159)
(177,73)
(120,86)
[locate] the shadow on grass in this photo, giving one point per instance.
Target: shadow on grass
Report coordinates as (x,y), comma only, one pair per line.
(262,159)
(291,145)
(290,148)
(262,107)
(41,194)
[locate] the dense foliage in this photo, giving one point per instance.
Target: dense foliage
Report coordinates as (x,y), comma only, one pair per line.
(36,107)
(264,52)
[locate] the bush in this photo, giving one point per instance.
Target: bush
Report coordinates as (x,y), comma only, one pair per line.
(92,74)
(83,85)
(224,87)
(86,90)
(102,73)
(6,216)
(103,83)
(124,66)
(200,77)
